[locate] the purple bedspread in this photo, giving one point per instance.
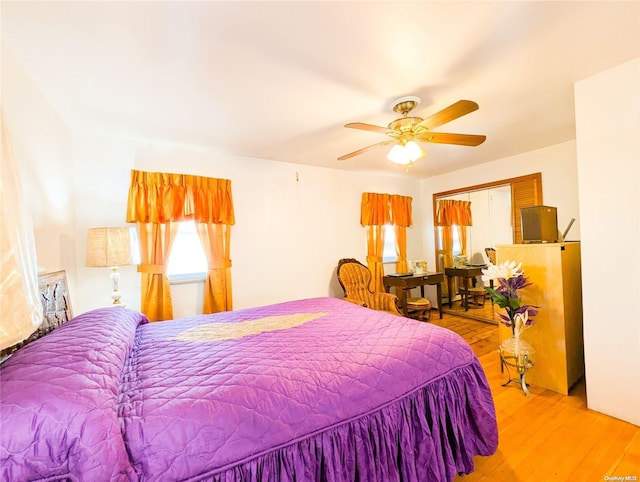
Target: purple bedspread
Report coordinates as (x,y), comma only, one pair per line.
(316,389)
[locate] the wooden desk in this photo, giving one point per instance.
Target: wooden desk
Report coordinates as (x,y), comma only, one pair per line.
(466,273)
(406,283)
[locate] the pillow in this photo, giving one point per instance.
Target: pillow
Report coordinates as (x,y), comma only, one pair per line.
(58,402)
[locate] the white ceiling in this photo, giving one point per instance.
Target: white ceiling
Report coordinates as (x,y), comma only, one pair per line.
(278,80)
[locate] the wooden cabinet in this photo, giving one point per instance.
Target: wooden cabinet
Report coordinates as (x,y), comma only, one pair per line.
(554,271)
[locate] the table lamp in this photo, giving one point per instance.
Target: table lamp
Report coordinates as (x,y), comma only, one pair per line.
(110,248)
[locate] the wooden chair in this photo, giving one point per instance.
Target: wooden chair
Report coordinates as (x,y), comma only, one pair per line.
(473,295)
(355,279)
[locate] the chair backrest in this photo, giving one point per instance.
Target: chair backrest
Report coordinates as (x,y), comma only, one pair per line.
(355,278)
(491,254)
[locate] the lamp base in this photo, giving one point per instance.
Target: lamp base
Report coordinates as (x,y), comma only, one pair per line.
(115,281)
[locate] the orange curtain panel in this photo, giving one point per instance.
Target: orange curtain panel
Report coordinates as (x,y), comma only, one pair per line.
(375,213)
(375,247)
(155,245)
(156,201)
(215,239)
(401,249)
(401,216)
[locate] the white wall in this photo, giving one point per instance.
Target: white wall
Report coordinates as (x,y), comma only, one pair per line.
(608,147)
(101,175)
(293,222)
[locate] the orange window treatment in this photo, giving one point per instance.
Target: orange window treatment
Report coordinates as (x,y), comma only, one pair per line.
(451,214)
(156,202)
(155,245)
(452,211)
(376,211)
(158,197)
(401,215)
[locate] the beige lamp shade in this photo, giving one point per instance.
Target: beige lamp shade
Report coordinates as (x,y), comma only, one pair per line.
(109,247)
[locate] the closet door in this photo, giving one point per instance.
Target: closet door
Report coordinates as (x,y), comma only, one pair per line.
(524,193)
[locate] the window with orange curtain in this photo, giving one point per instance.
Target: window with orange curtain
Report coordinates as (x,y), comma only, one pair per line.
(157,202)
(451,221)
(378,210)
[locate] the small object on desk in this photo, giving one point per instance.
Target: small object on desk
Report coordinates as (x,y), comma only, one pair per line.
(400,275)
(460,261)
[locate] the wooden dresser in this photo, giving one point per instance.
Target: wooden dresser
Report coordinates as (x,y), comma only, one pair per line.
(554,269)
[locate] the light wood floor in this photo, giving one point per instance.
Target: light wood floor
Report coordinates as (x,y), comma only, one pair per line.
(548,436)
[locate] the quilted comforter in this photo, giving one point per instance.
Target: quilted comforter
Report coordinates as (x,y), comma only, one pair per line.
(309,390)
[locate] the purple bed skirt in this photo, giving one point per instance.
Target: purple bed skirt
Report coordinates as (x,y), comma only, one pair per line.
(424,437)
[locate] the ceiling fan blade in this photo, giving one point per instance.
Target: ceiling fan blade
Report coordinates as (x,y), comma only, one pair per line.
(365,149)
(370,127)
(460,108)
(457,139)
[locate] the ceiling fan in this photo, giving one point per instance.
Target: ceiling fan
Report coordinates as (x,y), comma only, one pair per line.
(405,131)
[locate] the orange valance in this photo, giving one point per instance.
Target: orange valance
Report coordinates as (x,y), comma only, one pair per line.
(158,197)
(380,209)
(452,211)
(401,210)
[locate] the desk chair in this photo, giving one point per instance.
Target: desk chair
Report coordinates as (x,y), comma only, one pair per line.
(472,295)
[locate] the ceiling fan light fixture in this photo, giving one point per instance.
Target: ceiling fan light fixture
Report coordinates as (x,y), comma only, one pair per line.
(404,130)
(405,154)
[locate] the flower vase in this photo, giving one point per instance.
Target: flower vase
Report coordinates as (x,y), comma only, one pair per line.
(517,353)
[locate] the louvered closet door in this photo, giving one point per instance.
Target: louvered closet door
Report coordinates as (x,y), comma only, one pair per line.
(524,193)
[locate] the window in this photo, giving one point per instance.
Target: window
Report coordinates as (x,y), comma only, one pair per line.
(389,252)
(455,232)
(457,246)
(187,259)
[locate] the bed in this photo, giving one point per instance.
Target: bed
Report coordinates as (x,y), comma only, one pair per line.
(309,390)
